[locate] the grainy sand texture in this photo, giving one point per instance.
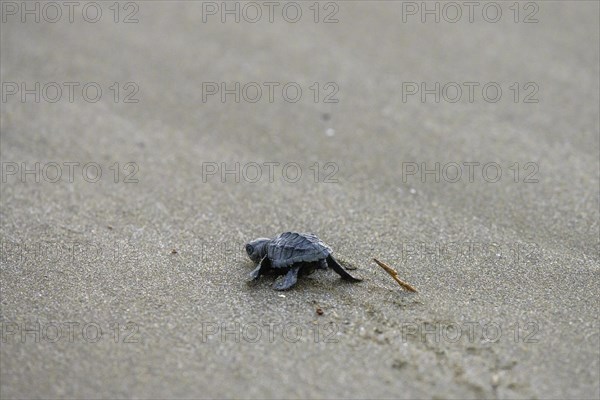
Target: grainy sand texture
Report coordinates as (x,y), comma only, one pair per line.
(144,144)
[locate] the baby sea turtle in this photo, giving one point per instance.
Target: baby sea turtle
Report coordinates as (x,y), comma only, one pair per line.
(292,254)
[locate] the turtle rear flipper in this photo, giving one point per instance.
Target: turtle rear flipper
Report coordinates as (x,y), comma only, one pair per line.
(263,266)
(340,270)
(288,279)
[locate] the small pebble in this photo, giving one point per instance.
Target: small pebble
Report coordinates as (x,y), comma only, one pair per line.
(495,380)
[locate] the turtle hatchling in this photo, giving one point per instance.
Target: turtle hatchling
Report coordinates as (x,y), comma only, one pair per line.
(292,254)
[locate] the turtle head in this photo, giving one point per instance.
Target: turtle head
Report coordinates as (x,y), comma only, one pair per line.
(257,249)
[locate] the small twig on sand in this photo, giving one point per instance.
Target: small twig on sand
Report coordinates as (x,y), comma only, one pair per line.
(394,274)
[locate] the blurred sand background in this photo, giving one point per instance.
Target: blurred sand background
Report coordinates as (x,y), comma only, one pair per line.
(507,272)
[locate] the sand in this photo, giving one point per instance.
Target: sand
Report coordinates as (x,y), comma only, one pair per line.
(132,283)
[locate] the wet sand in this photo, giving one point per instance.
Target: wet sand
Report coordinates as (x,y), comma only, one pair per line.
(132,283)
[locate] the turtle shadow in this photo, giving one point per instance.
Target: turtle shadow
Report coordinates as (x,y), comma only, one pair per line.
(316,281)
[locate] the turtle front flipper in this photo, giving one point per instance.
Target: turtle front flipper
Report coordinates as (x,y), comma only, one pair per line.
(288,280)
(340,270)
(263,266)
